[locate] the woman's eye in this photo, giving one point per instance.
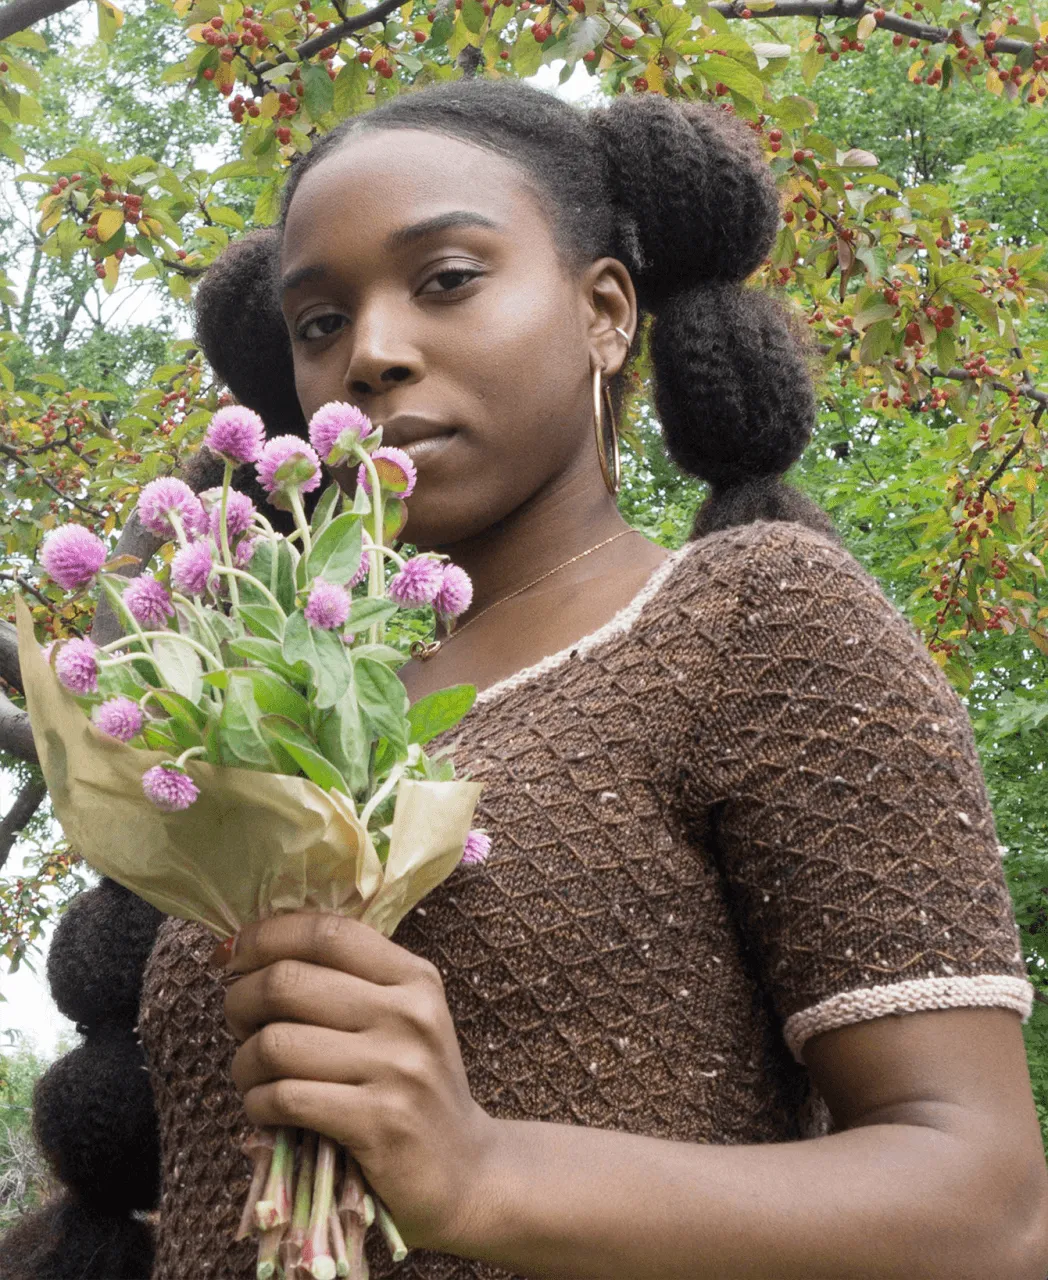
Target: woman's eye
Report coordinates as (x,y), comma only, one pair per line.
(321,327)
(451,280)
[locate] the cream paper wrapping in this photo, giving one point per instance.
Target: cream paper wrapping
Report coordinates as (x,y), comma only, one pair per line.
(252,845)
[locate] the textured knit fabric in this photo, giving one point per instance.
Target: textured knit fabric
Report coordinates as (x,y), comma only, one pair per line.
(746,811)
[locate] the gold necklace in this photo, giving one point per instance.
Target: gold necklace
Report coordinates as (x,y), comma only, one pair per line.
(420,649)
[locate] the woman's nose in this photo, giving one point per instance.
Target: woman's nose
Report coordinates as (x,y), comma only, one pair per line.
(383,354)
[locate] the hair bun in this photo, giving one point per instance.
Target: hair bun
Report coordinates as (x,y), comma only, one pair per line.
(732,389)
(698,197)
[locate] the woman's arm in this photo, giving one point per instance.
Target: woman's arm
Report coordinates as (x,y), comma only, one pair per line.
(938,1174)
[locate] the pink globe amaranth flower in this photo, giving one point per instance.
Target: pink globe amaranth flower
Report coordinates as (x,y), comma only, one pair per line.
(455,594)
(73,555)
(118,717)
(395,470)
(418,582)
(237,433)
(478,846)
(334,420)
(275,454)
(193,569)
(76,665)
(244,552)
(240,514)
(328,605)
(148,602)
(169,788)
(160,497)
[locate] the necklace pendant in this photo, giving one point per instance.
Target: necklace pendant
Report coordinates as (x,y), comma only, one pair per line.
(423,651)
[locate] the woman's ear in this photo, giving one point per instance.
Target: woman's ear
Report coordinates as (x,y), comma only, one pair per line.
(612,303)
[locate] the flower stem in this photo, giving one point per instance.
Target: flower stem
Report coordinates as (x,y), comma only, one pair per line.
(250,577)
(176,523)
(227,559)
(274,1209)
(386,552)
(295,498)
(338,1245)
(199,615)
(161,635)
(394,777)
(188,754)
(375,583)
(316,1254)
(388,1227)
(259,1146)
(291,1246)
(268,1249)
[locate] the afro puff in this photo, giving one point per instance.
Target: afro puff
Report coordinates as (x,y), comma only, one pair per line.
(65,1241)
(95,1122)
(98,954)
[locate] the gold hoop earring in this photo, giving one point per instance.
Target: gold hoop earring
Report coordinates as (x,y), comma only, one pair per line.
(607,436)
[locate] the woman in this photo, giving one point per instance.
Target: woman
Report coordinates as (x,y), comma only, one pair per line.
(737,814)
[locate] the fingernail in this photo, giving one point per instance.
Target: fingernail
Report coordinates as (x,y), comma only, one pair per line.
(224,952)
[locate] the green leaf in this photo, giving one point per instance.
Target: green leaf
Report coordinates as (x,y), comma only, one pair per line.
(263,620)
(157,736)
(325,655)
(472,15)
(319,97)
(345,741)
(240,739)
(278,575)
(871,313)
(336,553)
(875,342)
(351,87)
(273,696)
(439,711)
(363,613)
(383,699)
(304,752)
(324,511)
(271,655)
(181,709)
(945,350)
(267,206)
(179,666)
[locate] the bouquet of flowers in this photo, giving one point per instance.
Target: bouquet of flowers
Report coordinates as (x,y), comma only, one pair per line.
(248,748)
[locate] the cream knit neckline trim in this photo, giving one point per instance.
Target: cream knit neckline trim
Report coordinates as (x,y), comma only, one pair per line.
(616,626)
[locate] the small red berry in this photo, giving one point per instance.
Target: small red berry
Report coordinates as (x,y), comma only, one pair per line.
(100,271)
(364,56)
(284,136)
(56,190)
(590,57)
(798,156)
(504,55)
(208,73)
(217,23)
(775,135)
(640,84)
(420,37)
(628,42)
(879,15)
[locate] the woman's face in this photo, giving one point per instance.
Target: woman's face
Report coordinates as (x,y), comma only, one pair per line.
(421,283)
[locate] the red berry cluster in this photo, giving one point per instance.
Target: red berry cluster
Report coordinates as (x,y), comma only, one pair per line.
(941,317)
(978,367)
(542,31)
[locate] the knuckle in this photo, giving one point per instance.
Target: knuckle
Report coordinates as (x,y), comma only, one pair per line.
(416,1067)
(281,983)
(271,1048)
(287,1097)
(323,931)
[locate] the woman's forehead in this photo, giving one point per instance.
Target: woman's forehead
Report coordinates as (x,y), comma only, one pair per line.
(380,180)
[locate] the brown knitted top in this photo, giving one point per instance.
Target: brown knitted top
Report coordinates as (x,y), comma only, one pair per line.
(745,811)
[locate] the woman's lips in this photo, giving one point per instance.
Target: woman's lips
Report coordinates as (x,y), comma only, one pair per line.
(425,450)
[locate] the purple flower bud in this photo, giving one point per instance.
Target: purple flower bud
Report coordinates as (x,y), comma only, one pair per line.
(455,594)
(332,421)
(72,555)
(478,846)
(395,470)
(148,602)
(76,665)
(162,497)
(169,788)
(244,553)
(279,453)
(240,513)
(237,433)
(119,717)
(418,582)
(328,605)
(193,569)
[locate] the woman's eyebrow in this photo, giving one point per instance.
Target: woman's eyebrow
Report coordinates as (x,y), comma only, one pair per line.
(400,239)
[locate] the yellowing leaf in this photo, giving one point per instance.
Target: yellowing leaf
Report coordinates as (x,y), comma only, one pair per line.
(109,223)
(196,32)
(867,26)
(270,104)
(915,70)
(993,82)
(653,75)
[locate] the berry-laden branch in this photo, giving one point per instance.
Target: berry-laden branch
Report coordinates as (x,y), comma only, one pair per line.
(331,36)
(20,14)
(925,32)
(28,800)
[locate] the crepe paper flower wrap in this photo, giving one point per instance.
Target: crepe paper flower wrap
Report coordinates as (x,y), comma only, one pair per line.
(193,569)
(148,602)
(287,463)
(72,555)
(328,605)
(335,428)
(396,472)
(236,434)
(168,788)
(418,582)
(478,846)
(240,515)
(119,717)
(168,506)
(77,666)
(455,594)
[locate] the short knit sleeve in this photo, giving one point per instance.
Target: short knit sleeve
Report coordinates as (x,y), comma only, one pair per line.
(837,771)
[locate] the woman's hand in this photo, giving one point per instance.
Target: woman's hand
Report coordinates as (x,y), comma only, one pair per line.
(347,1033)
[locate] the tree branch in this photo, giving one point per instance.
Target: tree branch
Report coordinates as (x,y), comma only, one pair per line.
(16,733)
(331,36)
(134,540)
(26,804)
(20,14)
(10,671)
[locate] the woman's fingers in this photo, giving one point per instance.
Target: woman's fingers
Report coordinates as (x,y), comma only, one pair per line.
(328,940)
(332,1109)
(284,1050)
(294,991)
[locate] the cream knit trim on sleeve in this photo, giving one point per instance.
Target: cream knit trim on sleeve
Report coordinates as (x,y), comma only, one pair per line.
(914,996)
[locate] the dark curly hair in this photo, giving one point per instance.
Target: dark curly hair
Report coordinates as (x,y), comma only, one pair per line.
(679,193)
(64,1240)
